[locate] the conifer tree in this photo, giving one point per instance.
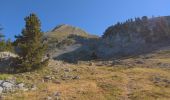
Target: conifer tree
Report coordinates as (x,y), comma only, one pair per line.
(29,43)
(1,35)
(9,46)
(2,42)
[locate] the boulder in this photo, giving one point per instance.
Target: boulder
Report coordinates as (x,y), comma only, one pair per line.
(7,86)
(7,55)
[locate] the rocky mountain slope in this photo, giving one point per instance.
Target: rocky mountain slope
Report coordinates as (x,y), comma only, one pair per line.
(70,43)
(135,36)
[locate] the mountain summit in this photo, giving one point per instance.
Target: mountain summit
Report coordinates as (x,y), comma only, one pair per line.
(69,43)
(61,32)
(68,29)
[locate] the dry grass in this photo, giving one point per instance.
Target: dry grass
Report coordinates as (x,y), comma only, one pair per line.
(102,83)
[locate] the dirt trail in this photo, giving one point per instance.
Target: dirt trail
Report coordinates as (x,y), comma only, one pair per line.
(129,86)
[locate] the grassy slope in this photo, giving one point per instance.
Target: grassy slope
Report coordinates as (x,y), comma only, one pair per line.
(125,81)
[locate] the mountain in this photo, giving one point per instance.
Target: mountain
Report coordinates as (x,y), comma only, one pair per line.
(61,32)
(135,36)
(132,37)
(69,43)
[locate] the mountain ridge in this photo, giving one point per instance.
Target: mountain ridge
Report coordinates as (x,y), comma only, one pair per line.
(135,36)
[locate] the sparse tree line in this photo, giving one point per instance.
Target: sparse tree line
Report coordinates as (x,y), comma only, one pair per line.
(28,45)
(151,29)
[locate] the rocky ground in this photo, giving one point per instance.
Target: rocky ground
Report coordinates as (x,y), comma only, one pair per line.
(144,77)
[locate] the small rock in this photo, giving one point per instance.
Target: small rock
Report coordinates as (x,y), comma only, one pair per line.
(159,63)
(57,93)
(75,70)
(55,71)
(1,81)
(24,89)
(139,62)
(76,77)
(157,79)
(67,70)
(90,64)
(33,88)
(52,77)
(49,98)
(56,81)
(47,77)
(165,80)
(29,78)
(168,82)
(1,90)
(42,80)
(20,86)
(66,77)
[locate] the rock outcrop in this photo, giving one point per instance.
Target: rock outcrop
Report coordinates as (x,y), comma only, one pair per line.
(6,55)
(135,36)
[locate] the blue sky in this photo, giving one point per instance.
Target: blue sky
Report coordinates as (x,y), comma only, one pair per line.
(94,16)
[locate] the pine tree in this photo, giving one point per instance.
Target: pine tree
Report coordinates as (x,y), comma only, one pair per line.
(2,42)
(29,43)
(9,46)
(1,35)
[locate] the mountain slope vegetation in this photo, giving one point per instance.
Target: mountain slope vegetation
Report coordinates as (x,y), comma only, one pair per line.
(150,29)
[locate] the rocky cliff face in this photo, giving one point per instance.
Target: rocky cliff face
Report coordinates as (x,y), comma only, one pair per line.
(135,36)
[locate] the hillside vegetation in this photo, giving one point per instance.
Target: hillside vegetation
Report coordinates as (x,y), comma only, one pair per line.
(143,77)
(150,30)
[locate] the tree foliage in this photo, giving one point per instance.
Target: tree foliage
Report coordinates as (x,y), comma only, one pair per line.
(151,30)
(29,44)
